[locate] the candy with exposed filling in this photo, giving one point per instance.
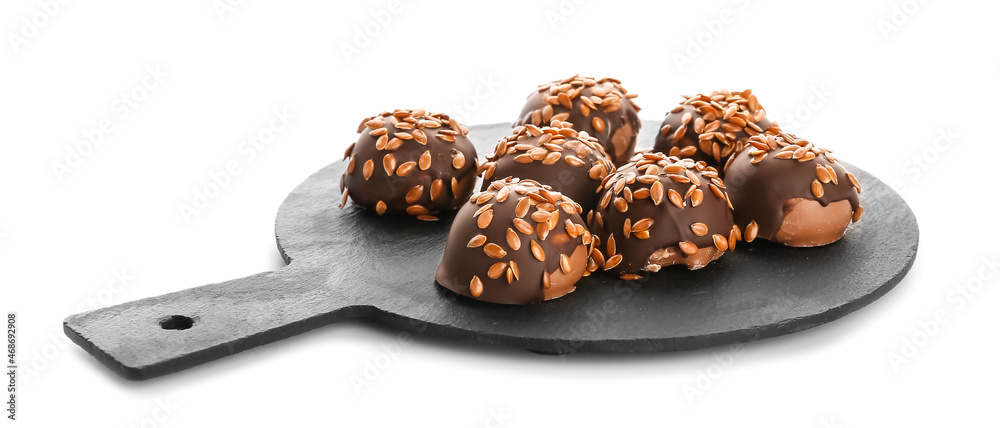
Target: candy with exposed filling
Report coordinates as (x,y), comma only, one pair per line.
(661,210)
(785,189)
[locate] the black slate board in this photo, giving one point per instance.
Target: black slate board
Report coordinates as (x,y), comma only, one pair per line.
(352,263)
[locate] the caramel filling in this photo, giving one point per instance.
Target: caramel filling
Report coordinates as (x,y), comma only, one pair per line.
(563,283)
(673,256)
(807,223)
(621,141)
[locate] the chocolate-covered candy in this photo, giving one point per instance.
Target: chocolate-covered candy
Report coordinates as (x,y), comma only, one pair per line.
(600,107)
(517,242)
(412,162)
(661,210)
(785,189)
(711,127)
(572,162)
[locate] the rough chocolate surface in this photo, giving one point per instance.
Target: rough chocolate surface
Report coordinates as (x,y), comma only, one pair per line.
(410,162)
(600,107)
(661,210)
(711,127)
(517,242)
(573,163)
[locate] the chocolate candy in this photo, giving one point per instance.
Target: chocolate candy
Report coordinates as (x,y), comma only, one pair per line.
(661,210)
(600,107)
(517,242)
(785,189)
(572,163)
(711,127)
(412,162)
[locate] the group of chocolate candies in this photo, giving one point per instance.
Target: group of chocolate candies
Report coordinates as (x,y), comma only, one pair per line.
(566,193)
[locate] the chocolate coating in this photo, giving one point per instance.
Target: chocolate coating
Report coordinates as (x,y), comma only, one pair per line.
(660,210)
(785,189)
(600,107)
(412,162)
(572,163)
(711,127)
(518,242)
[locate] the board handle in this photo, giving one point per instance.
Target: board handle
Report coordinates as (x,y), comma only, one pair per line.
(164,334)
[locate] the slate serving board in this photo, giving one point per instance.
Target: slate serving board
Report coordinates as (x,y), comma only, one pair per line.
(352,263)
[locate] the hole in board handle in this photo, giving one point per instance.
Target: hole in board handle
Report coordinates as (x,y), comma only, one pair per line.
(176,322)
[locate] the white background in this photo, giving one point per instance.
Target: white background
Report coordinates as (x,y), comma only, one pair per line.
(879,82)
